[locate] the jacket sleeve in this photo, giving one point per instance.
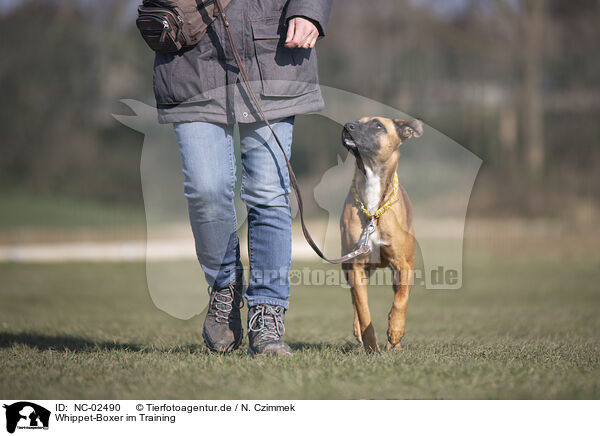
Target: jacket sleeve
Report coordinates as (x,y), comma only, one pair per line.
(316,10)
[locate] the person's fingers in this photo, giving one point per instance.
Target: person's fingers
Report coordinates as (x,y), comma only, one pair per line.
(295,33)
(311,39)
(291,31)
(301,34)
(304,37)
(314,35)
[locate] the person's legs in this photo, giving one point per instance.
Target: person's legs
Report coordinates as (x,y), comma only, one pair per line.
(209,181)
(265,189)
(208,165)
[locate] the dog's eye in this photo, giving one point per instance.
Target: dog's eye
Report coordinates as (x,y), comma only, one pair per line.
(378,125)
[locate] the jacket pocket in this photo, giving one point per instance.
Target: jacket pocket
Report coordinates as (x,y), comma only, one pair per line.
(284,72)
(185,77)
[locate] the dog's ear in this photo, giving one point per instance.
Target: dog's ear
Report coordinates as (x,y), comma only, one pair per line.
(409,129)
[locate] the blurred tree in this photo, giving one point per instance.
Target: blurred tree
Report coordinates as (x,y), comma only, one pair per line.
(67,67)
(533,117)
(515,81)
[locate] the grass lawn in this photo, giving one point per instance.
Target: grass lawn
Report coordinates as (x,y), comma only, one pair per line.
(23,209)
(523,326)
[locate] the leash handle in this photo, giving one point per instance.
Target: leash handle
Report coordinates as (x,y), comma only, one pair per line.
(363,246)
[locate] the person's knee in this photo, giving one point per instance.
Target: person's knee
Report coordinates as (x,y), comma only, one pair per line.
(209,193)
(272,191)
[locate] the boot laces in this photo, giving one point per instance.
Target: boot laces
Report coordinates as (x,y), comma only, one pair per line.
(267,322)
(222,302)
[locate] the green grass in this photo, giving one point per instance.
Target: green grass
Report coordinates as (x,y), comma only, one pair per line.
(23,209)
(520,328)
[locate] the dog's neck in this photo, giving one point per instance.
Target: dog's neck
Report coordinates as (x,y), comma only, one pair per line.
(374,185)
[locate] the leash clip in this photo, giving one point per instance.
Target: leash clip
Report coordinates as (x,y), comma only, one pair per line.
(369,230)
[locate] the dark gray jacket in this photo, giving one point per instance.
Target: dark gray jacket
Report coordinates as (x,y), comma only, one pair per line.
(202,83)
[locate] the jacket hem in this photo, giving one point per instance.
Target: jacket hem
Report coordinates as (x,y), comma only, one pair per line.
(196,113)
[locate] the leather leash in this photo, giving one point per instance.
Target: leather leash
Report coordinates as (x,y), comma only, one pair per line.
(363,247)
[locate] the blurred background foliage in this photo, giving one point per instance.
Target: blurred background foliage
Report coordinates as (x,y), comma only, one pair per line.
(515,81)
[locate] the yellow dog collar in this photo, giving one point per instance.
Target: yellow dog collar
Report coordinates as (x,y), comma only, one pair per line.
(385,205)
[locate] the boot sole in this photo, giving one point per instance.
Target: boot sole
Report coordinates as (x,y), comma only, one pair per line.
(234,346)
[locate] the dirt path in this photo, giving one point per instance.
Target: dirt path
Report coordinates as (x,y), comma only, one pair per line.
(510,237)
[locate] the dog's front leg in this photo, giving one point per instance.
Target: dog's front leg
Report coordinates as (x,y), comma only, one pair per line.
(357,277)
(356,323)
(403,278)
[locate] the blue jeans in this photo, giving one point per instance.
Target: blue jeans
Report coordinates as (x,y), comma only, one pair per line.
(209,170)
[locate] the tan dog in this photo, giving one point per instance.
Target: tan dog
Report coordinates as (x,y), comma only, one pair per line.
(377,197)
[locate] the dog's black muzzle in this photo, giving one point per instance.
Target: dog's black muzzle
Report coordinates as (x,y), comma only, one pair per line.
(348,142)
(359,141)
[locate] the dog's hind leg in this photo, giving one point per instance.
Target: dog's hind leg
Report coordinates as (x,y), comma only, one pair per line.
(357,278)
(356,325)
(403,278)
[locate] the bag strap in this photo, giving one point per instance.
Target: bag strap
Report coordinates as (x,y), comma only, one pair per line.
(363,247)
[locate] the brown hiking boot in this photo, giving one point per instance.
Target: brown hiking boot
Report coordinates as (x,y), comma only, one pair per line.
(265,329)
(222,330)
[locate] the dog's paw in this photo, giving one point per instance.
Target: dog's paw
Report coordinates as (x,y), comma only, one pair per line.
(370,340)
(357,334)
(372,348)
(394,337)
(391,346)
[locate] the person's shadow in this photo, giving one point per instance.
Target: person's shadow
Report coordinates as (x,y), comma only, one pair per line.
(44,342)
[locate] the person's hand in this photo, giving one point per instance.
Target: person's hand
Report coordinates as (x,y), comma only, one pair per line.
(302,33)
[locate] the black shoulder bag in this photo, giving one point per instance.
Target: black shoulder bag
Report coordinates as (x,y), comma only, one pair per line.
(169,25)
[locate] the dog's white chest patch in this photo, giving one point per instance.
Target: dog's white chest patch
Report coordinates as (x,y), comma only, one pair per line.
(372,198)
(372,190)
